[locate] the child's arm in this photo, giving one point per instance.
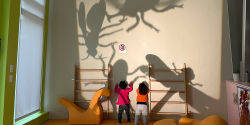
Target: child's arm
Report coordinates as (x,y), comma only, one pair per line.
(116,89)
(148,91)
(137,91)
(130,86)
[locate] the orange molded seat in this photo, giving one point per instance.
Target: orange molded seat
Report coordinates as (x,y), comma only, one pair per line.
(189,121)
(214,120)
(210,120)
(166,122)
(93,115)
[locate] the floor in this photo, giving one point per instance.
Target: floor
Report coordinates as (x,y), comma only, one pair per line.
(105,122)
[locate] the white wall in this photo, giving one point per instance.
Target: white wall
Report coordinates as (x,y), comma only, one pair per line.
(196,34)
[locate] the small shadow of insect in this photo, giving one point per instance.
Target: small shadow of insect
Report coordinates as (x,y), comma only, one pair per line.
(132,7)
(101,83)
(94,21)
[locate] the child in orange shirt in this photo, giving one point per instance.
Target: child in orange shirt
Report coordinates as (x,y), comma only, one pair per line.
(141,106)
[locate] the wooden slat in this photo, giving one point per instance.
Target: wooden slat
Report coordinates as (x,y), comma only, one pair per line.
(75,83)
(108,97)
(86,90)
(166,102)
(89,101)
(165,70)
(91,70)
(166,80)
(150,117)
(167,113)
(92,80)
(163,91)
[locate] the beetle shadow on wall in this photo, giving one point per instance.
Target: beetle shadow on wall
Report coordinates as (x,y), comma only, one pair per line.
(202,101)
(94,21)
(132,7)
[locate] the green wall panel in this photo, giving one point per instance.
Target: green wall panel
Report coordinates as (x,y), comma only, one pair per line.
(5,6)
(9,31)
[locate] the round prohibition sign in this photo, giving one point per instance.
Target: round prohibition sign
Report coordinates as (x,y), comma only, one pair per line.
(122,47)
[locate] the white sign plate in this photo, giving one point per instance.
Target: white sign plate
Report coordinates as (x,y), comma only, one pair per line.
(122,48)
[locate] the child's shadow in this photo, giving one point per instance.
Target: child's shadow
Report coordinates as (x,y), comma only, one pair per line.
(117,73)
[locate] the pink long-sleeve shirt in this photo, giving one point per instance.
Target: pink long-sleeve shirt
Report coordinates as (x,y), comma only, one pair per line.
(123,95)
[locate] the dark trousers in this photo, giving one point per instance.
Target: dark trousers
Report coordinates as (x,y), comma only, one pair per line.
(121,109)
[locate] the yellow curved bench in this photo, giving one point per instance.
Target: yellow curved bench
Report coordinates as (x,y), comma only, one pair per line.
(214,120)
(189,121)
(210,120)
(93,115)
(166,122)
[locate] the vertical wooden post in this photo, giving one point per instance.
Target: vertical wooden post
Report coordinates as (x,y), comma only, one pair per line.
(185,87)
(149,85)
(75,76)
(108,97)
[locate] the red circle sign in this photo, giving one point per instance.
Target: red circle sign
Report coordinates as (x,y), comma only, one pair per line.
(122,47)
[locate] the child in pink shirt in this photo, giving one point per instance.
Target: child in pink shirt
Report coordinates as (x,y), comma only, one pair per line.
(123,100)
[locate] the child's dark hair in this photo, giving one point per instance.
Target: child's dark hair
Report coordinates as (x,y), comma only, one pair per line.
(143,89)
(123,85)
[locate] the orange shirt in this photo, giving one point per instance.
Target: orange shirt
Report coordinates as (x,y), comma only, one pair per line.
(141,98)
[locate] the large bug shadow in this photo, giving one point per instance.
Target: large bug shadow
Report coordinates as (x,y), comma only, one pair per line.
(94,21)
(204,104)
(132,7)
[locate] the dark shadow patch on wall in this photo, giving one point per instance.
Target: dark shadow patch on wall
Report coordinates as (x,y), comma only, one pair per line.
(132,7)
(62,55)
(235,10)
(226,62)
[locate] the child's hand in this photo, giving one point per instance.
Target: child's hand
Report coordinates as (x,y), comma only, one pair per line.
(116,84)
(130,83)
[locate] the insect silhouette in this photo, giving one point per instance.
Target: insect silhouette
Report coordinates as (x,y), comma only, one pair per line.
(94,21)
(157,63)
(132,7)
